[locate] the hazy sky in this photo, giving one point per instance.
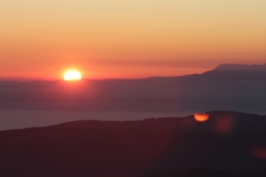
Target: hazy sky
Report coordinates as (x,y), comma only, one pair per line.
(128,38)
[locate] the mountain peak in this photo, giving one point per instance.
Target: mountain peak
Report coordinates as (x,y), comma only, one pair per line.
(241,67)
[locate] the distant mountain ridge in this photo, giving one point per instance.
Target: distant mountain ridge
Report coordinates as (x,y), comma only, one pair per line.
(241,67)
(228,141)
(222,88)
(236,73)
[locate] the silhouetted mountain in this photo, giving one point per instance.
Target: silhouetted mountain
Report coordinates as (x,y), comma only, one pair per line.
(228,141)
(227,87)
(241,68)
(237,73)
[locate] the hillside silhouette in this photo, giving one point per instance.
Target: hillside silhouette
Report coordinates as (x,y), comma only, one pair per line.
(228,141)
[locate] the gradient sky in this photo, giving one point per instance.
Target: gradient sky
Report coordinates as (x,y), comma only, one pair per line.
(128,38)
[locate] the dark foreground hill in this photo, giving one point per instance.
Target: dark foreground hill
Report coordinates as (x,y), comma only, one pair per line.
(227,141)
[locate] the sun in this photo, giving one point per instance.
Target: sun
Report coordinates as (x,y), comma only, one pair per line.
(72,75)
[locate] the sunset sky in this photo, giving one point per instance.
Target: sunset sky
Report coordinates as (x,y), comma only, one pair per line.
(128,38)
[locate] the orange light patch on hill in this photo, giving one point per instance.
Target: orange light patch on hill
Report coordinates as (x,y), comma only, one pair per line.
(201,117)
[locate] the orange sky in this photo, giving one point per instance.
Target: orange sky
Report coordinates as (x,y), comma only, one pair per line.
(128,38)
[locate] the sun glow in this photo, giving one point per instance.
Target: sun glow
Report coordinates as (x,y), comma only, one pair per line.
(72,75)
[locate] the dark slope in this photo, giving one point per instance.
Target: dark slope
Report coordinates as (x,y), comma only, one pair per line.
(237,72)
(228,141)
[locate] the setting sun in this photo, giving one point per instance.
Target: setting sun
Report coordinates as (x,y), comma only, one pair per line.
(72,75)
